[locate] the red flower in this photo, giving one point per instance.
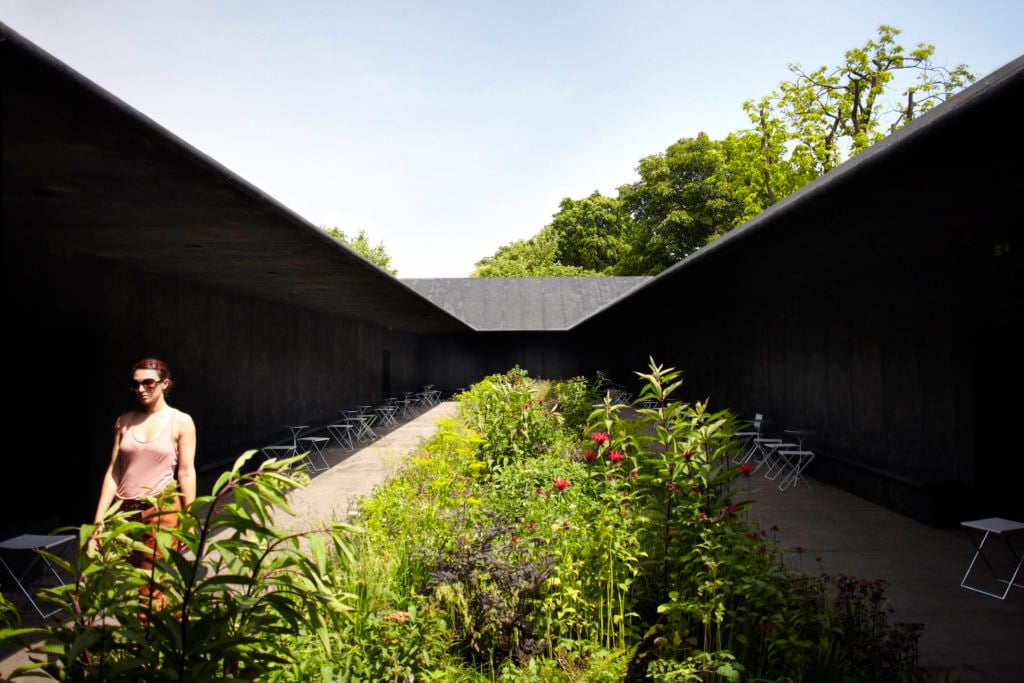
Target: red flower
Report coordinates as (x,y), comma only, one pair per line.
(515,538)
(687,454)
(540,400)
(588,455)
(532,526)
(561,484)
(746,469)
(702,517)
(599,437)
(616,456)
(632,474)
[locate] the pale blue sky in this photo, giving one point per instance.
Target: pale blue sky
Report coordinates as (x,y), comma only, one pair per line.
(448,129)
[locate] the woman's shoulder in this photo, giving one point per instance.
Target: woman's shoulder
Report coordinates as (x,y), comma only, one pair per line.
(126,419)
(183,418)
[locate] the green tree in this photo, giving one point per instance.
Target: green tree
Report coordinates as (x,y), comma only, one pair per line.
(534,257)
(680,203)
(699,189)
(816,121)
(361,245)
(590,233)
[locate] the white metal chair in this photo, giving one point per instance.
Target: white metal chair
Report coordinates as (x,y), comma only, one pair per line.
(748,434)
(760,448)
(342,432)
(311,445)
(386,413)
(26,578)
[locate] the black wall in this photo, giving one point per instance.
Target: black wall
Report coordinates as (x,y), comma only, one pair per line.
(243,369)
(908,381)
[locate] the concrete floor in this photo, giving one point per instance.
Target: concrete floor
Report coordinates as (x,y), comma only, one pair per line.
(976,638)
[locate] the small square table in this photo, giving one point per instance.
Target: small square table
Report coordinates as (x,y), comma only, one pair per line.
(1004,528)
(33,543)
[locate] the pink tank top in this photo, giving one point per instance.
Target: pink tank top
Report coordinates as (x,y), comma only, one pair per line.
(146,467)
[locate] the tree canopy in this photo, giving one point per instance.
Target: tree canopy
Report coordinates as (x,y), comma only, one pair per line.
(591,233)
(681,202)
(535,257)
(814,122)
(698,189)
(361,245)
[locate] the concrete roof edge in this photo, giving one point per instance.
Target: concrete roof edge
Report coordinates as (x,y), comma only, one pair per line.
(246,188)
(974,95)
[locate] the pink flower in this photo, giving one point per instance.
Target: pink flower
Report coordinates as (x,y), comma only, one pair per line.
(599,437)
(588,455)
(702,517)
(616,456)
(561,484)
(632,474)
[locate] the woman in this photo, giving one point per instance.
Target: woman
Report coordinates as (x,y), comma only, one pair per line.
(154,453)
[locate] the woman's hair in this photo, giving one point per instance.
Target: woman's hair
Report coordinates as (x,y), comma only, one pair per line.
(162,371)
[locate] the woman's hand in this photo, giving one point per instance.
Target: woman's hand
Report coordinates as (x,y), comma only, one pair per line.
(94,537)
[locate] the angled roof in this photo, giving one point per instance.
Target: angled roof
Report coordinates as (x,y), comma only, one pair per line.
(940,190)
(529,303)
(83,171)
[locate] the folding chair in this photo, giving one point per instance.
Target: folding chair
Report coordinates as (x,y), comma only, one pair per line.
(32,543)
(386,413)
(760,448)
(342,433)
(749,435)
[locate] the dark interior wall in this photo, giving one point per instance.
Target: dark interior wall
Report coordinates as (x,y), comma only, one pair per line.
(544,355)
(453,362)
(243,369)
(904,379)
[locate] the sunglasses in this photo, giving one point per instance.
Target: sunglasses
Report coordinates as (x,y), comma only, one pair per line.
(148,383)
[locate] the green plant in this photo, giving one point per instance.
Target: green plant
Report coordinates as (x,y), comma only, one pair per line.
(575,399)
(512,420)
(488,585)
(873,649)
(237,590)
